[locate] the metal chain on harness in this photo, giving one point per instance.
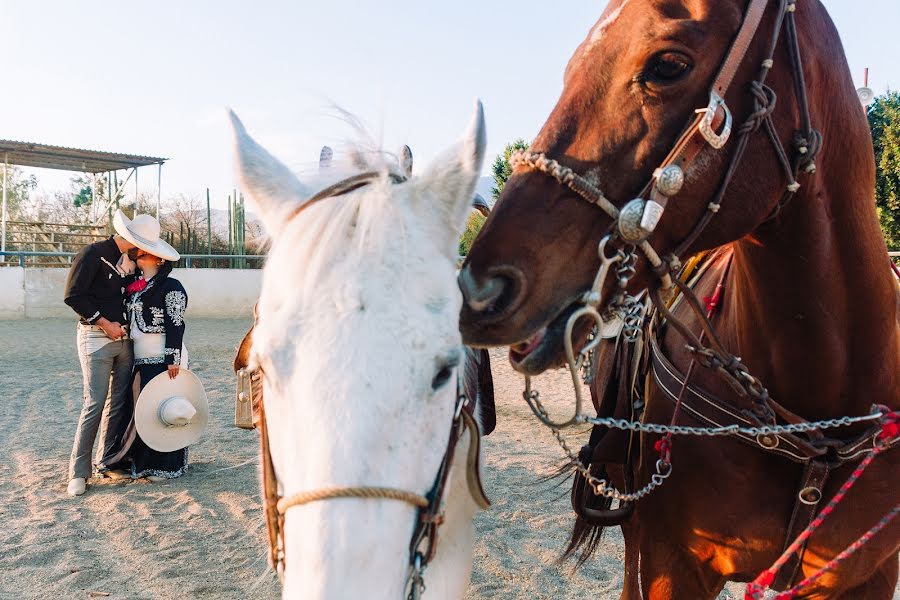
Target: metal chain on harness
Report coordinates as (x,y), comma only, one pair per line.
(623,257)
(631,311)
(416,578)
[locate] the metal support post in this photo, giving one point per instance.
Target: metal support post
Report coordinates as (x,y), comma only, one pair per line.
(158,189)
(5,173)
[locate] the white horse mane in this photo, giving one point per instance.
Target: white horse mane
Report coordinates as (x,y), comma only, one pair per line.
(353,224)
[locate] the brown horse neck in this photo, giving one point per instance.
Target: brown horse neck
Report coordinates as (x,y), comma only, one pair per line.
(814,303)
(813,307)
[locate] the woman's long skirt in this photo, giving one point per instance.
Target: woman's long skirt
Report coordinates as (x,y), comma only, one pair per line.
(132,454)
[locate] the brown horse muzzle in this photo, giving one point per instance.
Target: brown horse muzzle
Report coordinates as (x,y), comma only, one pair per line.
(492,298)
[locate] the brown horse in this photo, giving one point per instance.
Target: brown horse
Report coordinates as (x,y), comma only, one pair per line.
(809,305)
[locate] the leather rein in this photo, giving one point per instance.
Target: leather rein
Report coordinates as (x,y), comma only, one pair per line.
(423,543)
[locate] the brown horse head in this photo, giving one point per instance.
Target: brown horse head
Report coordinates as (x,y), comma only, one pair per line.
(629,90)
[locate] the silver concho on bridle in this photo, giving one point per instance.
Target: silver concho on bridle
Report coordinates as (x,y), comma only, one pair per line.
(639,218)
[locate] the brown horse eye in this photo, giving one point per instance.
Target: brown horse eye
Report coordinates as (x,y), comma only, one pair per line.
(668,67)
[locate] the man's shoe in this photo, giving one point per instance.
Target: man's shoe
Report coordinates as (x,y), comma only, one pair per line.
(77,486)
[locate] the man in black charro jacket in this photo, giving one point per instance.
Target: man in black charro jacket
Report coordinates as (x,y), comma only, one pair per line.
(95,289)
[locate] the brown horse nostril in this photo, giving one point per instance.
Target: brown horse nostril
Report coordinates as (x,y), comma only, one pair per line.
(494,294)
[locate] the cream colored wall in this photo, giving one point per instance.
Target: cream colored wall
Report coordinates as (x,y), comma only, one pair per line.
(38,293)
(223,293)
(12,292)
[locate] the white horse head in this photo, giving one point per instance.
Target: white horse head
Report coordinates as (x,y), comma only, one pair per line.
(357,337)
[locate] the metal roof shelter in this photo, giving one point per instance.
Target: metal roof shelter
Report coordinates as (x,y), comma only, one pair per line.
(45,156)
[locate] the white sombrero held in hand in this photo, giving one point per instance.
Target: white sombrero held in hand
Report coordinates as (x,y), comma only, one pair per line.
(171,414)
(143,232)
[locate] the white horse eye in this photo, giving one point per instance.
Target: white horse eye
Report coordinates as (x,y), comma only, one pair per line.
(442,377)
(446,364)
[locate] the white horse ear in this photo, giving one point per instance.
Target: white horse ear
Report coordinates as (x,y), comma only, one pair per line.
(451,178)
(325,157)
(271,187)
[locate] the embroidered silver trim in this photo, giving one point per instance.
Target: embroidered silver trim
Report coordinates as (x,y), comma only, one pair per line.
(158,315)
(93,317)
(164,474)
(151,360)
(176,303)
(138,307)
(175,353)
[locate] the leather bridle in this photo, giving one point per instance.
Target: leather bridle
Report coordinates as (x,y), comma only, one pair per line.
(637,219)
(423,543)
(712,127)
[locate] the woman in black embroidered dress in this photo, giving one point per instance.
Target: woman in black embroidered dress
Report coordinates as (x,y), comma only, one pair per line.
(156,305)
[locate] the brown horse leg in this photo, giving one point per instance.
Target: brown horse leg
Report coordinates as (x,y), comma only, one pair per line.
(878,587)
(631,589)
(669,573)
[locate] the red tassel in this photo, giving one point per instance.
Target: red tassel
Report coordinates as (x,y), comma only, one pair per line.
(712,302)
(888,431)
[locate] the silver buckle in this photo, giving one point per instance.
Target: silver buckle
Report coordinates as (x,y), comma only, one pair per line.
(716,140)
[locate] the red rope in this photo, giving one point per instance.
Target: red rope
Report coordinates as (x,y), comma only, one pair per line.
(757,587)
(794,592)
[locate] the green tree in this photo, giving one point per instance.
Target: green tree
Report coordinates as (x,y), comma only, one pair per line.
(884,120)
(501,168)
(18,190)
(473,226)
(81,189)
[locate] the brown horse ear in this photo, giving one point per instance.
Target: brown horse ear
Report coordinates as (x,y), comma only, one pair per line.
(406,161)
(271,187)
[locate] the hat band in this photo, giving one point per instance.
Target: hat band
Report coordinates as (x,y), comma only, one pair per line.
(141,238)
(161,416)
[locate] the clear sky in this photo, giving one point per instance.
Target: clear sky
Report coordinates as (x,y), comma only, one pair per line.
(154,77)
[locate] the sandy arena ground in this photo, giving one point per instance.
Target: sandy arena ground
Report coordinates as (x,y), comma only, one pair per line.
(202,536)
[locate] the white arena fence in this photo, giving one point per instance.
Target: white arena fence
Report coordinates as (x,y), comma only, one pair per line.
(37,292)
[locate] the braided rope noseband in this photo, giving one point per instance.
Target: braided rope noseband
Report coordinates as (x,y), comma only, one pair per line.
(590,192)
(351,492)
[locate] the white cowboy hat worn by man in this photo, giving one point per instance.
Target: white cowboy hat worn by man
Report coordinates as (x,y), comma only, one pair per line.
(143,232)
